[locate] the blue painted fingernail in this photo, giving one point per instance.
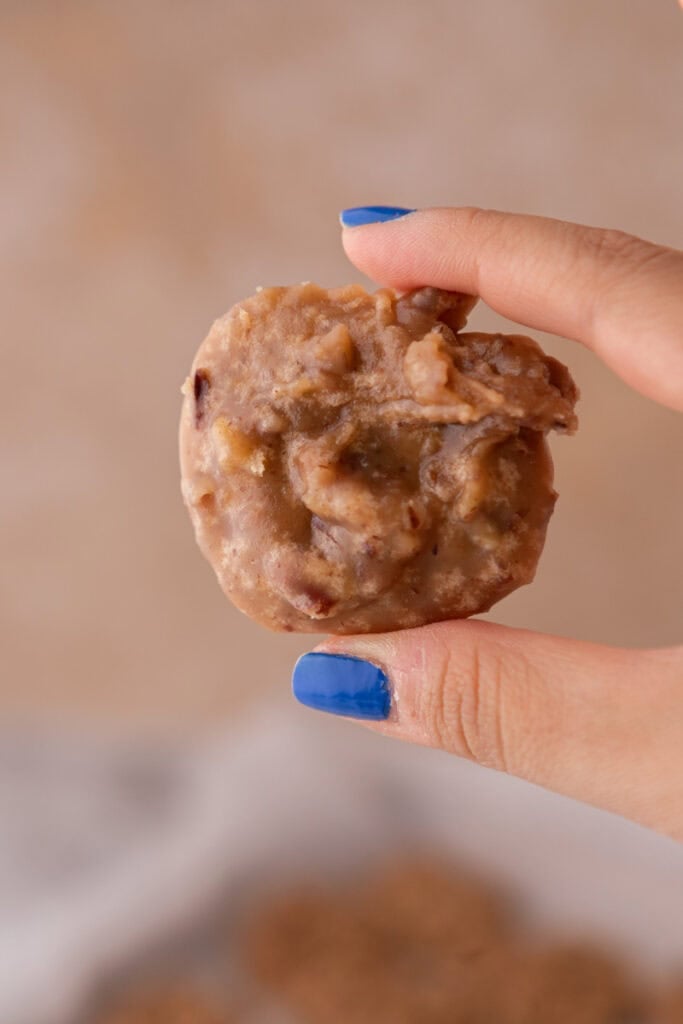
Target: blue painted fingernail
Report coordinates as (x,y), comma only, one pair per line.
(341,685)
(358,215)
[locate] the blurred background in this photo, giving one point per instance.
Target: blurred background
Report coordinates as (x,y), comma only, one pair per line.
(162,159)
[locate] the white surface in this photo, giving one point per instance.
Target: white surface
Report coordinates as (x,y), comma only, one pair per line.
(107,849)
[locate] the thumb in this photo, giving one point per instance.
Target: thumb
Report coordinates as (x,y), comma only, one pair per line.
(619,295)
(596,723)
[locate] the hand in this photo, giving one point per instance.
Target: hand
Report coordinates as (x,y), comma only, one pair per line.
(599,724)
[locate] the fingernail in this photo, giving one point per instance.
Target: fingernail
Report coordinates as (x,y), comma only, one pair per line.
(341,685)
(355,216)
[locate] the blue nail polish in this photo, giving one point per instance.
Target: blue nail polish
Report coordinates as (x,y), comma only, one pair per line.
(341,685)
(358,215)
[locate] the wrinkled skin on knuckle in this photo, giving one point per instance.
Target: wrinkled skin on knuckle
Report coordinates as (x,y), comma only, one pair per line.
(480,705)
(435,700)
(476,222)
(479,218)
(619,258)
(608,244)
(626,268)
(461,707)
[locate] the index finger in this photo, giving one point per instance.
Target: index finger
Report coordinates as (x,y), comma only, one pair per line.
(619,295)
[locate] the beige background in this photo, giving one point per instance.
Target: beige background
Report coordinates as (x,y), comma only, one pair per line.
(160,160)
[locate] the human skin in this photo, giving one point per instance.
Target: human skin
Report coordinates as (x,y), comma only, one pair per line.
(597,723)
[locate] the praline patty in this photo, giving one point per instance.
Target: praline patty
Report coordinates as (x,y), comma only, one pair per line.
(356,462)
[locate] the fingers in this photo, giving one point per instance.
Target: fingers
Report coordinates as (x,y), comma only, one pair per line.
(619,295)
(599,724)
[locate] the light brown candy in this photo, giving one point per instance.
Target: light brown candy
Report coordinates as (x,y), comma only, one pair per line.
(355,463)
(167,1004)
(669,1010)
(563,984)
(419,943)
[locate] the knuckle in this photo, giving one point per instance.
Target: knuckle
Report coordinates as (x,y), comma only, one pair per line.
(476,221)
(481,720)
(617,253)
(437,699)
(619,261)
(608,243)
(469,708)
